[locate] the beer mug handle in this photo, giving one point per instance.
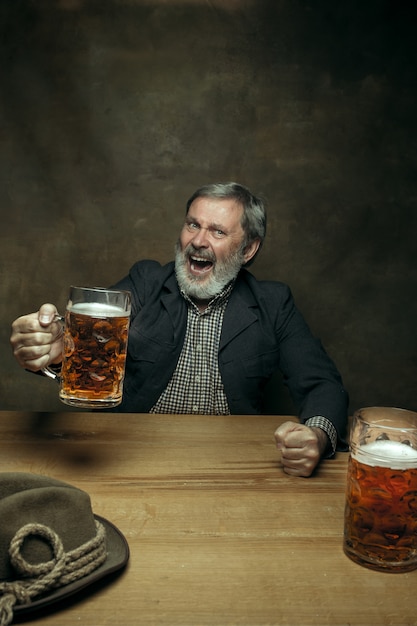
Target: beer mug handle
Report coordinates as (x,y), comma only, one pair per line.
(52,374)
(49,371)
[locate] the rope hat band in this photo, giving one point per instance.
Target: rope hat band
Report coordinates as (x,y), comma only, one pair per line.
(37,579)
(51,544)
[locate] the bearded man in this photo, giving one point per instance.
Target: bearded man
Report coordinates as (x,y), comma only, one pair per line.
(205,335)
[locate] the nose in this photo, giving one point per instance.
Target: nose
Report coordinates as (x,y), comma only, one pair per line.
(200,239)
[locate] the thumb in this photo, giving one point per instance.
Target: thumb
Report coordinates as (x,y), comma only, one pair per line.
(47,314)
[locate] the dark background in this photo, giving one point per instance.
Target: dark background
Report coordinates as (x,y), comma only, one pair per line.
(114,111)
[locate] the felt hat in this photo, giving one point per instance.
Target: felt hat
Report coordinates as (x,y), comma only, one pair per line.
(51,544)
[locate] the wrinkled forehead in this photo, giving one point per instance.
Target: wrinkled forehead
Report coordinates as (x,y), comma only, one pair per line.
(219,211)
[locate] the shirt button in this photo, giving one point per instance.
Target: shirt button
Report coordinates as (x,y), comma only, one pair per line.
(195,408)
(197,379)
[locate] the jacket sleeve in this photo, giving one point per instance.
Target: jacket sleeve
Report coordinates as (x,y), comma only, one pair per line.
(310,374)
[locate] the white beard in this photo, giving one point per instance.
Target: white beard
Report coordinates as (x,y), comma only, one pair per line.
(205,288)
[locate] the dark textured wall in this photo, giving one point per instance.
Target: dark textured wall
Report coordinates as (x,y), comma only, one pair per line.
(114,111)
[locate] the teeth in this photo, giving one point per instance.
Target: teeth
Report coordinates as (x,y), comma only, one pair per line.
(200,259)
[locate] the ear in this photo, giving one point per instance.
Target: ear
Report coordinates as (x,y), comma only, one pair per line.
(251,249)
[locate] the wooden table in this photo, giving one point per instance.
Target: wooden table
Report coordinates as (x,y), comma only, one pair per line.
(218,533)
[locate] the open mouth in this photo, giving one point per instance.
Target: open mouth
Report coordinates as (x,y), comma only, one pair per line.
(199,265)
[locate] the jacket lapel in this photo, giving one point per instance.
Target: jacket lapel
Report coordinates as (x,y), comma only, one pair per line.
(175,305)
(240,313)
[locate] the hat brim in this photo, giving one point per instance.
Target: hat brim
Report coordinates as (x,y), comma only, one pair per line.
(117,558)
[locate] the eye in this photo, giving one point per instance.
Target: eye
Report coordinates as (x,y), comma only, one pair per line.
(191,225)
(217,231)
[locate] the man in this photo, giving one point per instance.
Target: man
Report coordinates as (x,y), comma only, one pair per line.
(205,335)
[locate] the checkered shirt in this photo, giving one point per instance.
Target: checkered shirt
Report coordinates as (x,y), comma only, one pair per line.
(196,385)
(322,422)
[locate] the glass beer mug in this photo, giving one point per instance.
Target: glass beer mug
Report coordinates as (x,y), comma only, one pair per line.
(95,331)
(381,496)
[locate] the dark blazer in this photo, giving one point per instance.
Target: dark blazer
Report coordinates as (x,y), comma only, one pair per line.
(262,331)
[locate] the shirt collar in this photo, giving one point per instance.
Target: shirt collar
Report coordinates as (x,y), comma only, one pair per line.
(217,301)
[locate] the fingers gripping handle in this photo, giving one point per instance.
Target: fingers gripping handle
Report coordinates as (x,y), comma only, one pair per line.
(50,371)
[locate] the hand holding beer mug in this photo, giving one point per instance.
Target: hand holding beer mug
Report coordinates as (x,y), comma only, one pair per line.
(381,496)
(94,347)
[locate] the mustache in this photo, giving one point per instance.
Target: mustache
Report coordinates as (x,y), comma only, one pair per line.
(200,253)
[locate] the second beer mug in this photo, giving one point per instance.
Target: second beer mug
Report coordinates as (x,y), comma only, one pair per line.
(95,344)
(381,496)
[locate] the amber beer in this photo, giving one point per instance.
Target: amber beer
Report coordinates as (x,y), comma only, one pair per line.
(94,351)
(381,505)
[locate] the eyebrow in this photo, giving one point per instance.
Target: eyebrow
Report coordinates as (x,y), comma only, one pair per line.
(211,226)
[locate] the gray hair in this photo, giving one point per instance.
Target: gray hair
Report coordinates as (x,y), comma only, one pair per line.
(254,210)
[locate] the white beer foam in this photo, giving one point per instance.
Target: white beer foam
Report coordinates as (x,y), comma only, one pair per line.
(97,309)
(385,453)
